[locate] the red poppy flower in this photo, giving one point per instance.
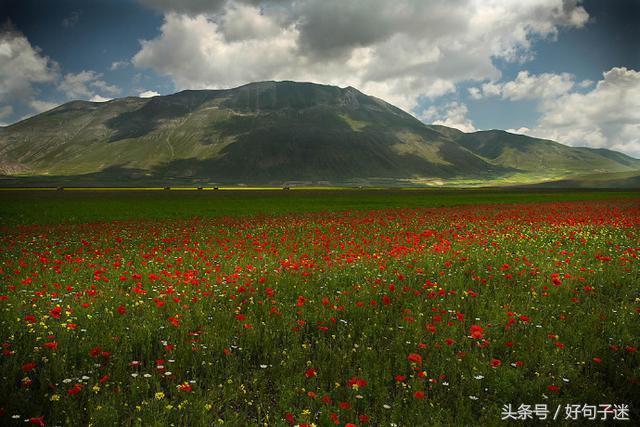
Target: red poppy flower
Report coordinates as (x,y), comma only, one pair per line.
(29,366)
(415,358)
(39,421)
(476,332)
(186,387)
(356,383)
(77,388)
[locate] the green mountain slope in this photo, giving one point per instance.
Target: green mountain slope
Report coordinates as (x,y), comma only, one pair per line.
(271,133)
(533,154)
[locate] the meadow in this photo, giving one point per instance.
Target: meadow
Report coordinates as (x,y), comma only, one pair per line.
(318,307)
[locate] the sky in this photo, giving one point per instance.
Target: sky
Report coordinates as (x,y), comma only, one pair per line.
(566,70)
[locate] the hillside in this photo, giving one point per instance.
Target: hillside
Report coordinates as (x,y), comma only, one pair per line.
(273,133)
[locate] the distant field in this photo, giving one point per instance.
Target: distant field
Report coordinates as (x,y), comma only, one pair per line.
(78,206)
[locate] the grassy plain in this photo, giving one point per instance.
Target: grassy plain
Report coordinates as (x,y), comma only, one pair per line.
(28,206)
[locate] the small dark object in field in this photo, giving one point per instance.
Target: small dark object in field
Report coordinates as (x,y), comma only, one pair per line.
(286,188)
(200,188)
(215,188)
(59,188)
(167,188)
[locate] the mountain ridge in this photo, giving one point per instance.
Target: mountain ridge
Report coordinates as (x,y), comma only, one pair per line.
(276,132)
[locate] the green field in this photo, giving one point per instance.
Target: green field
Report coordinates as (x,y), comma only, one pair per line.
(319,308)
(86,205)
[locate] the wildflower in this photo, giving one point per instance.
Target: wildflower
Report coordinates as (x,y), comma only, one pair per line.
(356,383)
(185,386)
(476,332)
(77,388)
(415,358)
(29,366)
(39,421)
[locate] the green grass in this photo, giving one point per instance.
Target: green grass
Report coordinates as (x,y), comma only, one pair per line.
(50,207)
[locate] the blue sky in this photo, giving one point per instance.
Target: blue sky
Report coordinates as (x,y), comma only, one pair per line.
(534,67)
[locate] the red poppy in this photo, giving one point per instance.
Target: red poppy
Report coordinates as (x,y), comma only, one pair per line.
(414,358)
(476,332)
(77,388)
(39,421)
(356,383)
(186,387)
(29,366)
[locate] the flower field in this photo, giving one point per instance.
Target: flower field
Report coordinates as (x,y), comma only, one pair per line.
(375,317)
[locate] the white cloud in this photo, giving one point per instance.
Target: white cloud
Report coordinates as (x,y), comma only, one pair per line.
(474,93)
(98,98)
(85,84)
(607,116)
(527,86)
(5,111)
(399,51)
(453,115)
(40,106)
(521,130)
(116,65)
(148,94)
(22,66)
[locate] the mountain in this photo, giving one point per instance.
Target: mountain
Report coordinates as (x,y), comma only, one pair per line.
(273,133)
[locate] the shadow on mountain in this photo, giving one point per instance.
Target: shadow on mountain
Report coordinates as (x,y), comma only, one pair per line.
(140,122)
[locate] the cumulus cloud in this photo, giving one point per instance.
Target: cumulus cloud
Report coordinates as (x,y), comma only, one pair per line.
(148,94)
(22,66)
(527,86)
(608,116)
(85,85)
(453,114)
(399,51)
